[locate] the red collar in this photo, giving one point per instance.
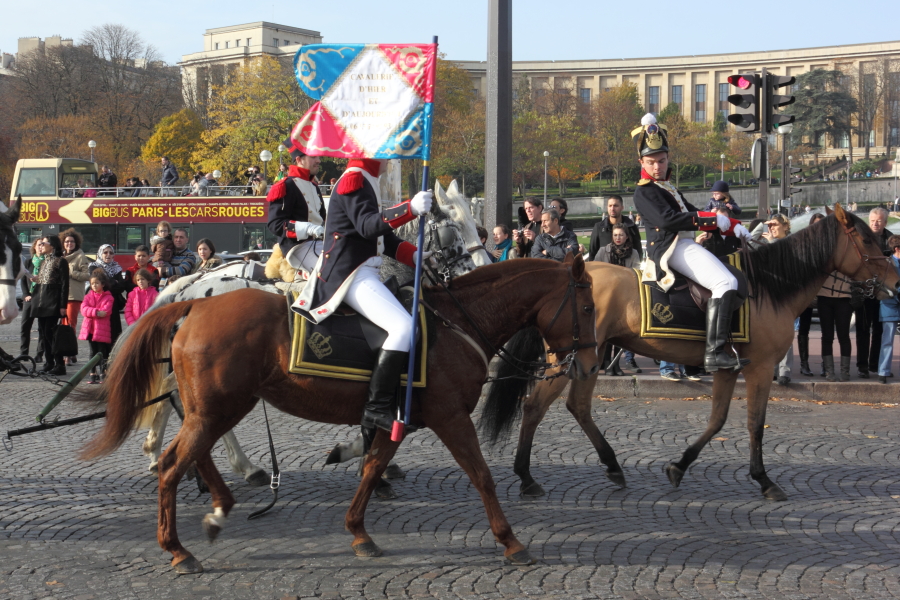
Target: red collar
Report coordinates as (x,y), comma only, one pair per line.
(295,171)
(646,175)
(369,165)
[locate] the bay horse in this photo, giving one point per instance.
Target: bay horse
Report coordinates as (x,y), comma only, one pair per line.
(784,277)
(11,268)
(229,351)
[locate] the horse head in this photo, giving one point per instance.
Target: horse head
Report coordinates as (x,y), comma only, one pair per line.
(458,209)
(862,259)
(11,268)
(570,333)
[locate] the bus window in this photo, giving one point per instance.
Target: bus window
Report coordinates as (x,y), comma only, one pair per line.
(130,237)
(28,235)
(257,237)
(70,184)
(37,182)
(151,230)
(95,236)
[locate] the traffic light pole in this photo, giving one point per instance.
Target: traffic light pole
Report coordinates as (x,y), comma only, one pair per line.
(764,155)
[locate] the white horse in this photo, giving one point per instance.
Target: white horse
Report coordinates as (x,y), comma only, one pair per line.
(11,267)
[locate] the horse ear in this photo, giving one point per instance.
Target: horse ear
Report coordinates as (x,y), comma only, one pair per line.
(840,214)
(13,213)
(577,263)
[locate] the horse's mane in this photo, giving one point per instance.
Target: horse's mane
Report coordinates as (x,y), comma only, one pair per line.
(784,269)
(8,236)
(507,268)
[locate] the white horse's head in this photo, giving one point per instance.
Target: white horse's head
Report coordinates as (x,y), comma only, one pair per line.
(11,267)
(457,208)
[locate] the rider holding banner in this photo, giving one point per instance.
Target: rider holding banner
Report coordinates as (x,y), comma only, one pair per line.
(669,220)
(357,234)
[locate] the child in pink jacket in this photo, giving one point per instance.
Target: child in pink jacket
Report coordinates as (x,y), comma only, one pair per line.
(95,328)
(141,298)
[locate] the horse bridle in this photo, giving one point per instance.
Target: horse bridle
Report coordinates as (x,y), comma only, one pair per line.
(869,285)
(440,246)
(503,353)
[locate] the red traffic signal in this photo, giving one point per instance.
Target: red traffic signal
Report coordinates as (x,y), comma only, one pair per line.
(746,112)
(741,81)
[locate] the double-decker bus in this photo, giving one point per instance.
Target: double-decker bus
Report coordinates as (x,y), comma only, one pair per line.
(58,193)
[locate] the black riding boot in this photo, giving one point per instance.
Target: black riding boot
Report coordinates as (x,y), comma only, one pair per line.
(380,407)
(803,344)
(718,327)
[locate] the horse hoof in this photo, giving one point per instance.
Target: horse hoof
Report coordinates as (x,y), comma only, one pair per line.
(674,474)
(532,490)
(189,566)
(521,558)
(384,491)
(258,478)
(334,456)
(775,494)
(394,471)
(617,477)
(211,528)
(367,550)
(154,469)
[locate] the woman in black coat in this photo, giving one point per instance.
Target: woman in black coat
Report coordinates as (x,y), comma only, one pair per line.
(48,301)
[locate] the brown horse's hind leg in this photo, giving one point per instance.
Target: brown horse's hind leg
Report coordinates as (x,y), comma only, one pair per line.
(376,462)
(458,434)
(534,408)
(723,388)
(222,499)
(759,382)
(579,404)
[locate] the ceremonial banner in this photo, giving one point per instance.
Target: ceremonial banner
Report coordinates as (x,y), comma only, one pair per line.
(374,100)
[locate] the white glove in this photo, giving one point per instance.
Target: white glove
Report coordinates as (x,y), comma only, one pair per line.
(742,233)
(425,253)
(315,231)
(421,203)
(723,222)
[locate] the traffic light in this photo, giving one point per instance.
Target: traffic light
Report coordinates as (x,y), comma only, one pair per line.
(787,180)
(746,114)
(775,101)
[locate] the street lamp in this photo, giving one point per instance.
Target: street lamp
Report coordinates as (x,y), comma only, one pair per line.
(281,149)
(217,173)
(265,156)
(546,156)
(92,144)
(722,156)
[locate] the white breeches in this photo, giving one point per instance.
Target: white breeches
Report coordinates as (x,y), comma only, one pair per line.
(368,296)
(306,255)
(696,263)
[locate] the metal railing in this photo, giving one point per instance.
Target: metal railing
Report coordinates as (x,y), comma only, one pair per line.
(166,191)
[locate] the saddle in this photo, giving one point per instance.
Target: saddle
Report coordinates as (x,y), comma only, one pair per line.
(680,313)
(345,345)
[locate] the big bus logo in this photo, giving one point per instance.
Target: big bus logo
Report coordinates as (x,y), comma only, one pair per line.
(34,212)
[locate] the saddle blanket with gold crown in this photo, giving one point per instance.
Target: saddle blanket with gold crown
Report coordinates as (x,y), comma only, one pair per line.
(675,315)
(345,345)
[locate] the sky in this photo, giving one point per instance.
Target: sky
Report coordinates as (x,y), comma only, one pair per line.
(542,30)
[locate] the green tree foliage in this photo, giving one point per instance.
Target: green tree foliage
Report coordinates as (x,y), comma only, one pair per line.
(615,113)
(176,136)
(253,110)
(822,108)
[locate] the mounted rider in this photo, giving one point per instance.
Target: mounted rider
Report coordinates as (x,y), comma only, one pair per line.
(668,221)
(297,211)
(357,233)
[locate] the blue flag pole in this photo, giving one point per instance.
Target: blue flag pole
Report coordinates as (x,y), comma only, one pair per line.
(399,428)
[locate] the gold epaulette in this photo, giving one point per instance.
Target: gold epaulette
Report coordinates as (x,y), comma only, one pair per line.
(644,181)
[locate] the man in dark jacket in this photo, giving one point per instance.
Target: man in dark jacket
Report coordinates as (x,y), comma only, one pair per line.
(669,220)
(107,179)
(529,225)
(869,327)
(169,175)
(602,234)
(297,210)
(554,241)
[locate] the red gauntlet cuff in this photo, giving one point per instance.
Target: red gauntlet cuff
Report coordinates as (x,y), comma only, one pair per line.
(396,216)
(289,230)
(707,221)
(405,252)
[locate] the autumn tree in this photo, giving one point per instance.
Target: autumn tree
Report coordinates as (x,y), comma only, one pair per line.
(615,113)
(176,136)
(61,137)
(253,110)
(684,147)
(822,108)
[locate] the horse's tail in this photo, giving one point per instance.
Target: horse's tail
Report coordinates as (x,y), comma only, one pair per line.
(134,376)
(503,405)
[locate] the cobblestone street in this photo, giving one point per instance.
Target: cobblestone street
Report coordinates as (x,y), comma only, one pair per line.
(88,530)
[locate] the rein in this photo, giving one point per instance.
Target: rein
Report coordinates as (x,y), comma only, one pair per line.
(869,285)
(529,367)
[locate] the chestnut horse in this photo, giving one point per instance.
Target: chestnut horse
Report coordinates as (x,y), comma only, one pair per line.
(229,351)
(784,278)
